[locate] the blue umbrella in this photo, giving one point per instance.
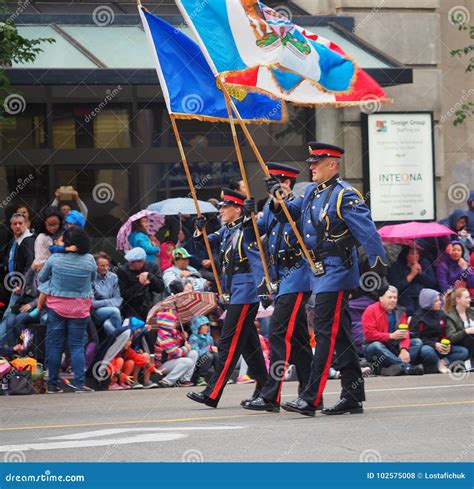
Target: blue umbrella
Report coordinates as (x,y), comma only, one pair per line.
(180,205)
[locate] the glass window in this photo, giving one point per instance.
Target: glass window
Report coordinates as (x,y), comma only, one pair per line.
(89,126)
(105,193)
(26,130)
(163,181)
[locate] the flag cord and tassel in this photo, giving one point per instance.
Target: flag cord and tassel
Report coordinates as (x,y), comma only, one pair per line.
(228,101)
(196,203)
(282,203)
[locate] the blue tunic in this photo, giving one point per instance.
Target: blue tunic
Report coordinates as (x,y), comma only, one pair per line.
(290,278)
(240,282)
(344,215)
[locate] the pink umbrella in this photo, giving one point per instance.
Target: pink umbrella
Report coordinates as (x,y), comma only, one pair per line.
(156,222)
(407,232)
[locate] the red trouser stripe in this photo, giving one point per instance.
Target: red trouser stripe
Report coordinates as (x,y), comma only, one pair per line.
(334,331)
(230,355)
(288,336)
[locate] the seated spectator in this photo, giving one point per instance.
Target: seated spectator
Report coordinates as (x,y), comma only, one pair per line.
(22,312)
(119,372)
(460,320)
(141,363)
(173,354)
(74,219)
(457,221)
(181,271)
(453,270)
(470,213)
(140,238)
(107,299)
(387,346)
(429,324)
(65,208)
(138,280)
(409,274)
(66,279)
(202,341)
(51,229)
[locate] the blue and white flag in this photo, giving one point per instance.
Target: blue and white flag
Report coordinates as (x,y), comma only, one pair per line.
(189,84)
(243,37)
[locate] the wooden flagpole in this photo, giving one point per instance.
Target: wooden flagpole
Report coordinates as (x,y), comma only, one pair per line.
(282,203)
(196,203)
(228,101)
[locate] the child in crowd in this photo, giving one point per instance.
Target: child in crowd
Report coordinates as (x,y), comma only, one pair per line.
(202,342)
(173,354)
(429,324)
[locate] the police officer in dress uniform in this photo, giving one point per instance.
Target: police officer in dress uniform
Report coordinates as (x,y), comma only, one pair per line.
(239,334)
(291,281)
(334,219)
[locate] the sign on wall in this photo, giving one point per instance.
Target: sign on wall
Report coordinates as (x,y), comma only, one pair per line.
(399,153)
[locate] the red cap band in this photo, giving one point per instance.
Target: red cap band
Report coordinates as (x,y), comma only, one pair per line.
(327,152)
(285,173)
(231,198)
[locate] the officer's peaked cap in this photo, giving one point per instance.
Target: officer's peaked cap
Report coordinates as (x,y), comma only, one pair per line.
(318,151)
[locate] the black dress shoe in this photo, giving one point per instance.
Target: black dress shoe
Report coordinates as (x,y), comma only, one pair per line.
(299,406)
(415,370)
(244,402)
(201,398)
(344,406)
(260,404)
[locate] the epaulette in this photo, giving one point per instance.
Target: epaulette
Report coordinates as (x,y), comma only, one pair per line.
(341,195)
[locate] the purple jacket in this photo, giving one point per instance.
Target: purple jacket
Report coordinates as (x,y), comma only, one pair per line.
(448,272)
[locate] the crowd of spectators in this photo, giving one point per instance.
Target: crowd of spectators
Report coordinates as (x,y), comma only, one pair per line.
(79,304)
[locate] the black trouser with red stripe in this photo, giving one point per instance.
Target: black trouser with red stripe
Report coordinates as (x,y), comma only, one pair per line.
(332,329)
(239,337)
(289,343)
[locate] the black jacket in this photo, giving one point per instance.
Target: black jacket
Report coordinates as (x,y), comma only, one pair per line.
(24,255)
(429,326)
(137,298)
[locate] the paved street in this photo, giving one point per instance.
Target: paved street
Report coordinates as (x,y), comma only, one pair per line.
(406,419)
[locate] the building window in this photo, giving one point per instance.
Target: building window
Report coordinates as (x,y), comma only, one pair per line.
(26,130)
(105,193)
(89,126)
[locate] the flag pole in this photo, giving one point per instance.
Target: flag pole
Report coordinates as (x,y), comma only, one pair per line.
(282,203)
(196,203)
(247,189)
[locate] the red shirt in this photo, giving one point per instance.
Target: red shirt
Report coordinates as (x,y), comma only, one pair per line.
(375,325)
(70,307)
